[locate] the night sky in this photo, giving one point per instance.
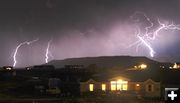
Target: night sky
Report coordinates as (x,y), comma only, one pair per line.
(84,28)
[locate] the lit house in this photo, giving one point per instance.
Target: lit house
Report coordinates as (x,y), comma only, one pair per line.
(147,88)
(7,71)
(176,66)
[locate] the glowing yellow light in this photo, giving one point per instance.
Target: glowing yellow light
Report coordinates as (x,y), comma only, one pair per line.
(8,68)
(125,87)
(175,66)
(143,66)
(119,85)
(103,87)
(135,66)
(113,85)
(91,87)
(119,82)
(137,85)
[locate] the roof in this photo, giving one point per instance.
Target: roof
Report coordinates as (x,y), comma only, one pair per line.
(130,76)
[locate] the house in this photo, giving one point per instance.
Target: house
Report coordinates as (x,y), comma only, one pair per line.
(7,72)
(53,86)
(146,88)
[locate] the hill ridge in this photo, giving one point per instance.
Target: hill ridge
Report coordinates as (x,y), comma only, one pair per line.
(103,61)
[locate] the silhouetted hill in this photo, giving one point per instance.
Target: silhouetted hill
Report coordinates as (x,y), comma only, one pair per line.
(117,65)
(104,61)
(170,59)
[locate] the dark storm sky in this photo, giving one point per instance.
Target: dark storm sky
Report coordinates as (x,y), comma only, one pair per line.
(81,28)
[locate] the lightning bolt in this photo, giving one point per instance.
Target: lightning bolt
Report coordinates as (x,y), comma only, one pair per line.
(18,47)
(48,51)
(152,52)
(149,36)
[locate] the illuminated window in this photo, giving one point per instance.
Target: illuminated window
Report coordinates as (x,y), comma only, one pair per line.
(113,85)
(91,87)
(119,85)
(122,85)
(103,87)
(125,87)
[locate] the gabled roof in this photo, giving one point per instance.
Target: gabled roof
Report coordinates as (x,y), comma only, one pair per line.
(133,76)
(151,81)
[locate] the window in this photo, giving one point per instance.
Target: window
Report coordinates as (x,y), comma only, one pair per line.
(119,85)
(122,85)
(103,87)
(91,87)
(150,88)
(113,85)
(125,87)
